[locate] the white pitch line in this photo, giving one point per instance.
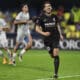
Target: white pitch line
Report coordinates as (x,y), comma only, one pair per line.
(62,77)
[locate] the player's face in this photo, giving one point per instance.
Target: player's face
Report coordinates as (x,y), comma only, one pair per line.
(25,8)
(47,8)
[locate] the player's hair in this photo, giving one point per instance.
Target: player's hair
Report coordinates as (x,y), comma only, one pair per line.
(22,5)
(46,2)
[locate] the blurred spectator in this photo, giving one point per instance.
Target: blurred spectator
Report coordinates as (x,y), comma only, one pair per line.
(8,16)
(75,12)
(1,14)
(60,13)
(75,16)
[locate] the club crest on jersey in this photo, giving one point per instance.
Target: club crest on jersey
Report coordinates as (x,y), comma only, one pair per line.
(44,20)
(54,19)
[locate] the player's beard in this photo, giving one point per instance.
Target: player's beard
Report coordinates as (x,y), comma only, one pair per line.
(48,13)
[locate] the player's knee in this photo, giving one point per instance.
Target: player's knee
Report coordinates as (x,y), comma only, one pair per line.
(51,53)
(30,44)
(55,52)
(15,49)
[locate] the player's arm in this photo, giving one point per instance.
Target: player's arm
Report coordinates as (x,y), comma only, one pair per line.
(6,28)
(0,27)
(60,32)
(39,30)
(20,21)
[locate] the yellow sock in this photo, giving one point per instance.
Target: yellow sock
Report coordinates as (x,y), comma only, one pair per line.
(4,60)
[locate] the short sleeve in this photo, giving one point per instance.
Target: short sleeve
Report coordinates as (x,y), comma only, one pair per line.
(38,21)
(4,23)
(18,16)
(57,19)
(28,16)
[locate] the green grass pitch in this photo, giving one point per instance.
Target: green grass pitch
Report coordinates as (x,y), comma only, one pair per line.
(37,64)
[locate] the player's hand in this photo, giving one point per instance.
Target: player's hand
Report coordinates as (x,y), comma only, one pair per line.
(46,33)
(30,21)
(25,21)
(61,37)
(6,29)
(1,29)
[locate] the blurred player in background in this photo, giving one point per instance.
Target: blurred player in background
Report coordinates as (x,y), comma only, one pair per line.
(48,26)
(22,21)
(3,39)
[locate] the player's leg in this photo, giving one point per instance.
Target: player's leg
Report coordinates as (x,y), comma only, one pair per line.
(14,53)
(3,57)
(4,43)
(29,44)
(55,55)
(5,46)
(27,47)
(15,49)
(19,39)
(56,62)
(1,54)
(4,60)
(9,54)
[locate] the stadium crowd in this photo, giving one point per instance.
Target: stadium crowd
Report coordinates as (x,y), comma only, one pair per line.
(69,20)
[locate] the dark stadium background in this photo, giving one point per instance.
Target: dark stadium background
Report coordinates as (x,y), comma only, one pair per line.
(12,4)
(35,5)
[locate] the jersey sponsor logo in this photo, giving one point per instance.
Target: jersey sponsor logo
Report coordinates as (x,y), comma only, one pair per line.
(50,24)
